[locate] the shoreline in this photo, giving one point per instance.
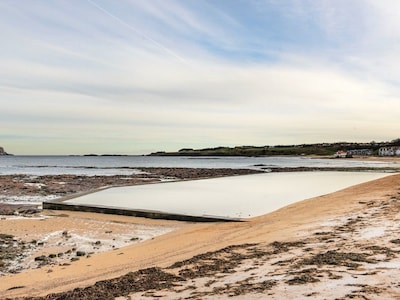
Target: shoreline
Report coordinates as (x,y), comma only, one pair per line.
(349,223)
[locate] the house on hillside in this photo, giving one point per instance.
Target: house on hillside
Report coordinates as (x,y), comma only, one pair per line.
(354,152)
(341,154)
(359,152)
(389,151)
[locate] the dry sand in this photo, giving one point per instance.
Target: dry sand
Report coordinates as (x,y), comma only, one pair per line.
(343,245)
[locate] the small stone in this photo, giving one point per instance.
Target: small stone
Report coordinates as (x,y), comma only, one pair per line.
(80,253)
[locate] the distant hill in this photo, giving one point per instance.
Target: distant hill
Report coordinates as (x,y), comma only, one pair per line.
(320,149)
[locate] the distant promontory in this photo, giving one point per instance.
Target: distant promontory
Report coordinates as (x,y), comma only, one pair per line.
(2,152)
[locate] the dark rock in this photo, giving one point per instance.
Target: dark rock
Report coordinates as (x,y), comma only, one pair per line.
(80,253)
(40,258)
(2,152)
(22,209)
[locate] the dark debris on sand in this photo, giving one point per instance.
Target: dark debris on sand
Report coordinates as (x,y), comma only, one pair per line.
(218,264)
(142,280)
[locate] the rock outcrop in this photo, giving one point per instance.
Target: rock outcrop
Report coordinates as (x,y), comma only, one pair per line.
(2,152)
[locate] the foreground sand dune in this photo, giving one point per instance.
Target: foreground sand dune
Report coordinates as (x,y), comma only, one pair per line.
(284,254)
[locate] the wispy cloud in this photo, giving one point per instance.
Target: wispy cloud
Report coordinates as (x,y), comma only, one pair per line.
(136,31)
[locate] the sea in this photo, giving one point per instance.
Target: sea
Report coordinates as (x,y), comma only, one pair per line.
(125,165)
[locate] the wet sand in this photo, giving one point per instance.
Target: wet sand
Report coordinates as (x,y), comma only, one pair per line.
(344,245)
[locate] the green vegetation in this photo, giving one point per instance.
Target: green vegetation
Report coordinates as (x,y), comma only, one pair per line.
(255,151)
(321,149)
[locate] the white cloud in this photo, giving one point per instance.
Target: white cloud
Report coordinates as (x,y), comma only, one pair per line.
(91,78)
(211,97)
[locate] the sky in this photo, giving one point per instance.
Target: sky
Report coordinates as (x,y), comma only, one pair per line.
(134,77)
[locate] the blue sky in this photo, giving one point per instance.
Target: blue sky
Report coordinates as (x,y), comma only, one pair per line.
(134,76)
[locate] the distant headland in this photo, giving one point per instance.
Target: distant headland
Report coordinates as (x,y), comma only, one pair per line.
(3,152)
(319,149)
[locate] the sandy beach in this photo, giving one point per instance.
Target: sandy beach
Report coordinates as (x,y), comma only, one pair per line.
(343,245)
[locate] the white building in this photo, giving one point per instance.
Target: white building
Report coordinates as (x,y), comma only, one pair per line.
(389,151)
(359,152)
(341,154)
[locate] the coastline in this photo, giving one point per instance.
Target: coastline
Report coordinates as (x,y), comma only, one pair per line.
(335,221)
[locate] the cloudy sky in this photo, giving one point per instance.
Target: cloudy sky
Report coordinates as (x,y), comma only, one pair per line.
(130,76)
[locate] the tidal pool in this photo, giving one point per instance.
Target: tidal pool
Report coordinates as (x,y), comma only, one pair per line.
(227,197)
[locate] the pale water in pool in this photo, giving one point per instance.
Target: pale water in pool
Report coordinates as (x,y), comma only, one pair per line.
(230,197)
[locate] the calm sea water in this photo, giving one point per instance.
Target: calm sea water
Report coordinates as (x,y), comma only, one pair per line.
(125,165)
